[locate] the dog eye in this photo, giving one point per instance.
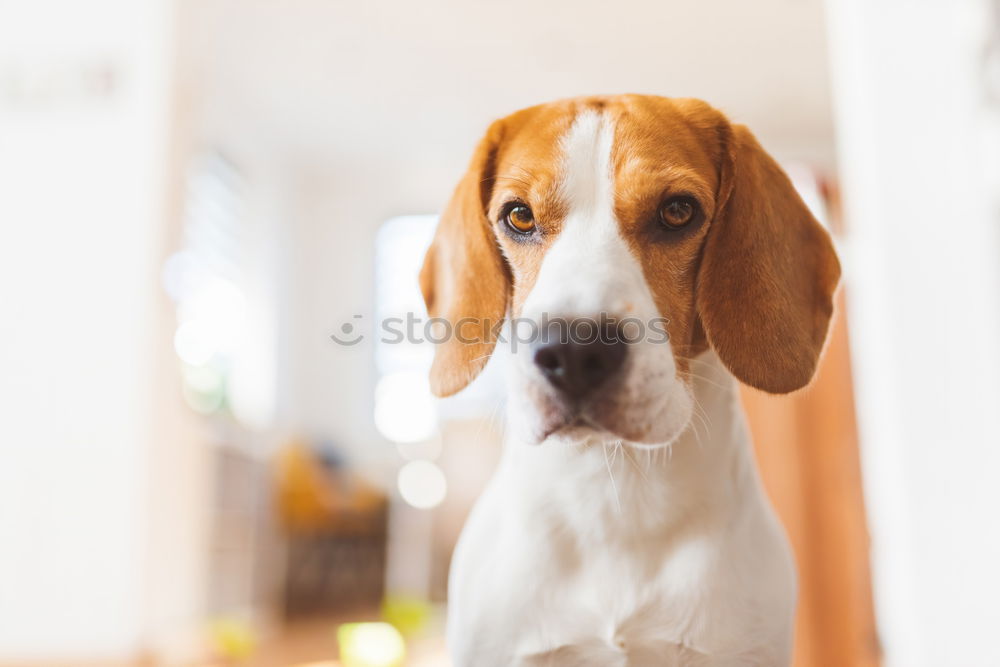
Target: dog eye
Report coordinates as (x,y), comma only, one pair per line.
(520,219)
(679,211)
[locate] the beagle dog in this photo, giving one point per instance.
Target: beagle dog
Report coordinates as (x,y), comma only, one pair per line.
(626,524)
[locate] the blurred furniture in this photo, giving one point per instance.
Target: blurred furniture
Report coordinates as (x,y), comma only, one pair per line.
(807,448)
(243,547)
(336,524)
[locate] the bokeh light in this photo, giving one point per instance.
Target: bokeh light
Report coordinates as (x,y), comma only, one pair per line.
(422,484)
(404,407)
(370,645)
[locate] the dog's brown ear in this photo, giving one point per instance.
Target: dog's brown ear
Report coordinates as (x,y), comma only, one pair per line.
(768,272)
(464,279)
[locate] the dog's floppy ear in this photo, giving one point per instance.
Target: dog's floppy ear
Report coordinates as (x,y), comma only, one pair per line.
(464,279)
(767,274)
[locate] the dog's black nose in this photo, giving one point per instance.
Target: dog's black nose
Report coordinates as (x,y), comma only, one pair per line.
(577,356)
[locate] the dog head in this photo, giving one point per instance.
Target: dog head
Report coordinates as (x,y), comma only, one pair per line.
(626,235)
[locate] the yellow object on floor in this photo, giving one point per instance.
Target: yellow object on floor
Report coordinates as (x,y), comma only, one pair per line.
(371,645)
(408,614)
(232,639)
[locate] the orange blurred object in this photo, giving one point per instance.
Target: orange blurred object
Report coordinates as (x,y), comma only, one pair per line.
(312,498)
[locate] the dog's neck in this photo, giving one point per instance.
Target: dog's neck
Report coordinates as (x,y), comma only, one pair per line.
(615,491)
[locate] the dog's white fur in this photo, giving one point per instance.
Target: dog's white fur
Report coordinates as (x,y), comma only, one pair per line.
(586,550)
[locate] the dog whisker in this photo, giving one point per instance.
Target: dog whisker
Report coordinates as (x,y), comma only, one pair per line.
(636,466)
(701,378)
(611,476)
(509,178)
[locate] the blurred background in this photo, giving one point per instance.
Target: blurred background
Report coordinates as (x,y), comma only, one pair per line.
(195,195)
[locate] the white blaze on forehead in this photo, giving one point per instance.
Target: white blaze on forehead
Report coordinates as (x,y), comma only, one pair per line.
(586,152)
(589,269)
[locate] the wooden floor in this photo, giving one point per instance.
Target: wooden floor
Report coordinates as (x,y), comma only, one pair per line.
(310,643)
(314,643)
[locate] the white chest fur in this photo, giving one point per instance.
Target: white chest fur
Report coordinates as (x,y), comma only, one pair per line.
(601,553)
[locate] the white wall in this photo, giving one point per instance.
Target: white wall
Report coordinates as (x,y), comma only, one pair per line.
(83,135)
(918,164)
